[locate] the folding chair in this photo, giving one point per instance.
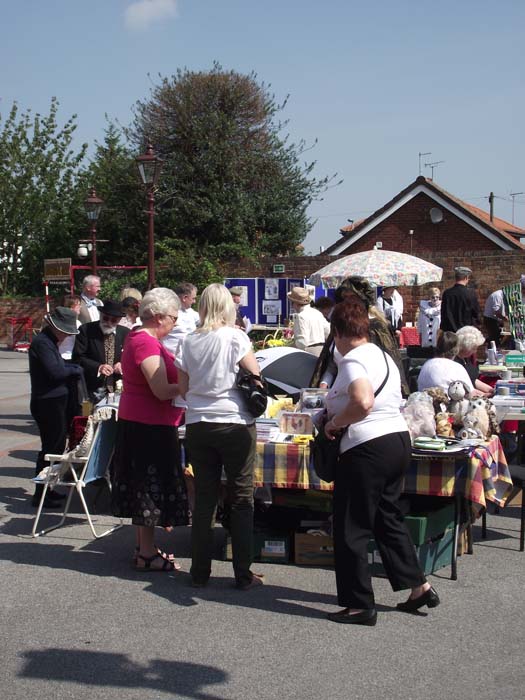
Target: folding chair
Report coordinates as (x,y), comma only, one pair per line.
(92,456)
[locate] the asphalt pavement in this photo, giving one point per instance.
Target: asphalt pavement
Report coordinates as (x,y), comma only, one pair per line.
(77,621)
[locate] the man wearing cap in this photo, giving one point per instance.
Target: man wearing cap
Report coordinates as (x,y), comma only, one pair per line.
(242,322)
(459,304)
(89,303)
(310,327)
(98,349)
(51,377)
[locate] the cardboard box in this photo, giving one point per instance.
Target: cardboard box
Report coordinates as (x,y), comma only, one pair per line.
(313,550)
(267,547)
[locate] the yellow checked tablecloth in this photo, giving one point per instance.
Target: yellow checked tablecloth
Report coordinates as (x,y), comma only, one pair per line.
(286,466)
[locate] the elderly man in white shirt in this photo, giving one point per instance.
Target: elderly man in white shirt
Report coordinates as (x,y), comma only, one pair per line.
(310,327)
(187,321)
(89,302)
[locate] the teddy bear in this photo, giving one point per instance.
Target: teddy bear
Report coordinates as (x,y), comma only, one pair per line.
(475,424)
(439,398)
(444,425)
(458,393)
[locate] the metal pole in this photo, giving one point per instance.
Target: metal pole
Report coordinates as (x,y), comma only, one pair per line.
(94,248)
(151,239)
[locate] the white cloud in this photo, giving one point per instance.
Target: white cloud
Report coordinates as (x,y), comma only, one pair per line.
(142,13)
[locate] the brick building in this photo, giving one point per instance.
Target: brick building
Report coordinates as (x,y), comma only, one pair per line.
(424,218)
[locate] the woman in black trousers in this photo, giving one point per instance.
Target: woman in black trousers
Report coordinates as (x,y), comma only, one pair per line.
(364,406)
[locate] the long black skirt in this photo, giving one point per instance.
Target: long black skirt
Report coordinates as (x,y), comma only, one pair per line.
(147,481)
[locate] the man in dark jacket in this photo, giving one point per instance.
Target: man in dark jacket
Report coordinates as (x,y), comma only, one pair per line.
(459,304)
(50,385)
(98,349)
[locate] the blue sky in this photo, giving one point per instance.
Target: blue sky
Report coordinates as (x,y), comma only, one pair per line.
(376,83)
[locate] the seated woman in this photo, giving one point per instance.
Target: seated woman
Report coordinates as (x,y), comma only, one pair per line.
(442,370)
(364,405)
(470,339)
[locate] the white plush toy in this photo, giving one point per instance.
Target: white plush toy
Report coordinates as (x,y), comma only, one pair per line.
(458,393)
(475,424)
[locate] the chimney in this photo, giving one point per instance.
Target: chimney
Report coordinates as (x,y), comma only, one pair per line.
(491,205)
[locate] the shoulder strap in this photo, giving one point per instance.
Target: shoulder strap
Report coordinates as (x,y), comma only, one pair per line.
(380,388)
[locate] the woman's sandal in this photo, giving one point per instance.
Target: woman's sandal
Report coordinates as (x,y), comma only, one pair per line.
(167,565)
(164,555)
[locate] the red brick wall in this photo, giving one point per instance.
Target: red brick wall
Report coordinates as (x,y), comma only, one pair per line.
(450,235)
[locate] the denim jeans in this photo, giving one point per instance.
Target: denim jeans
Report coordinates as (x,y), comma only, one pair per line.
(212,446)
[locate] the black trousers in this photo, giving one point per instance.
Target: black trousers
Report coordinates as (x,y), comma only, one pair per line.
(51,418)
(367,487)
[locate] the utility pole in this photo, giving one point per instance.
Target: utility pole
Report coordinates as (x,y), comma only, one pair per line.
(514,194)
(491,205)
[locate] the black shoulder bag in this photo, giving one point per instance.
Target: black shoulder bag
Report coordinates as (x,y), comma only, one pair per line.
(325,452)
(254,395)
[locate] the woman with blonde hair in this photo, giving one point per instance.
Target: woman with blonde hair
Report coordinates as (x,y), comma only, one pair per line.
(219,432)
(147,480)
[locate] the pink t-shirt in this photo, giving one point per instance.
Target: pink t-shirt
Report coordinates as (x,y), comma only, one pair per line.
(137,402)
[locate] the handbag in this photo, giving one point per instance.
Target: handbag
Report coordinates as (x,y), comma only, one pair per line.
(325,452)
(255,395)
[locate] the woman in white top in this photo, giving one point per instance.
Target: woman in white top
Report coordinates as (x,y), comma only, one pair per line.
(442,370)
(219,432)
(364,403)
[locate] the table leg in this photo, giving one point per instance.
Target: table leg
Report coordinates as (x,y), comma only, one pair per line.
(454,558)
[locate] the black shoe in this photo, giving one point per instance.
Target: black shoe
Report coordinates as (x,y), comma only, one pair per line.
(429,598)
(365,617)
(48,502)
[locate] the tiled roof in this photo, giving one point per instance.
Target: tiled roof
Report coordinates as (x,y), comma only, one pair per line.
(503,229)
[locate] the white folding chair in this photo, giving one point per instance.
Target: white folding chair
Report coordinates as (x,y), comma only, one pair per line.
(92,456)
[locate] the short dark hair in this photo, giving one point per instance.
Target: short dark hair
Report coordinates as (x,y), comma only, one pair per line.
(350,319)
(447,345)
(184,289)
(323,303)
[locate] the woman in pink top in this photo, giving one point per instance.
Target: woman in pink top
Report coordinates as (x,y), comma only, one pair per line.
(147,480)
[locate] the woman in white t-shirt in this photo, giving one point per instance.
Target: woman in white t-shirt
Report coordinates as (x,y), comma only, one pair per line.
(219,432)
(364,402)
(441,371)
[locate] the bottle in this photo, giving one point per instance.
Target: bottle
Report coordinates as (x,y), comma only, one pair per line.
(491,354)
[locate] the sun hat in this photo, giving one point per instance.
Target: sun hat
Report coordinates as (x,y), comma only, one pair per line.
(64,320)
(236,291)
(112,308)
(299,295)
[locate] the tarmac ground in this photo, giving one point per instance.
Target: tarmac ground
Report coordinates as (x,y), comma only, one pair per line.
(77,621)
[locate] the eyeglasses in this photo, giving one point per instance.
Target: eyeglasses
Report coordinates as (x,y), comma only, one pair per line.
(173,318)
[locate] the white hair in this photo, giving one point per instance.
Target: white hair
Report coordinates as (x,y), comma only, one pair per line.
(469,339)
(160,300)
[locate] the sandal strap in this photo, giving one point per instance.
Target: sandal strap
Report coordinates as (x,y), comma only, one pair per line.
(167,565)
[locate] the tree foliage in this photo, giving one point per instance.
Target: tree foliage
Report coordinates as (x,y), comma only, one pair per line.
(231,184)
(39,195)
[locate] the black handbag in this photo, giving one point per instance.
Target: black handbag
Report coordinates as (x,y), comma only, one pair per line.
(254,395)
(325,452)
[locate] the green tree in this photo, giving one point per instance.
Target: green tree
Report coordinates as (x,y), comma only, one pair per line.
(39,196)
(231,184)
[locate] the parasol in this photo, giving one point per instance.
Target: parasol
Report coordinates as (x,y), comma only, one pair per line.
(382,268)
(287,370)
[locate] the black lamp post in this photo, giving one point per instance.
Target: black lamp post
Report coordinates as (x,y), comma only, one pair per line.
(93,207)
(149,167)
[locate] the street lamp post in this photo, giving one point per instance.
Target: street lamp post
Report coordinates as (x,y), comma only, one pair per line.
(149,166)
(93,207)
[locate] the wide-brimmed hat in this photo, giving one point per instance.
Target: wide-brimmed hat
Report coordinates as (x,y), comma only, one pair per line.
(112,308)
(299,295)
(236,291)
(64,320)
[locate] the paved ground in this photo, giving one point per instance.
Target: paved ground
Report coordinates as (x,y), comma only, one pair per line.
(77,622)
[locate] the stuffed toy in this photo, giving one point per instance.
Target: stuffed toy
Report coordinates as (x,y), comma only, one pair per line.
(475,424)
(458,393)
(485,409)
(444,425)
(439,398)
(419,415)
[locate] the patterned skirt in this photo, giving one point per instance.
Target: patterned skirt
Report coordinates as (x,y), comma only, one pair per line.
(147,481)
